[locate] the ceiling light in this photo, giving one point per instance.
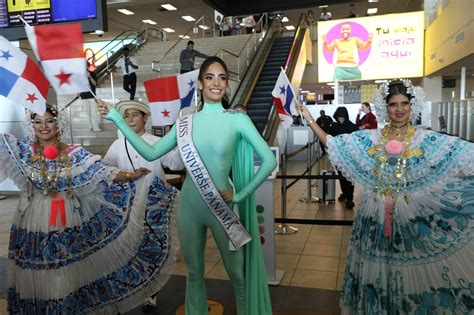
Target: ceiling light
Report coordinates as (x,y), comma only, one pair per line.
(184,36)
(168,30)
(188,18)
(125,11)
(204,27)
(285,19)
(304,91)
(290,27)
(323,6)
(373,0)
(372,11)
(168,7)
(149,22)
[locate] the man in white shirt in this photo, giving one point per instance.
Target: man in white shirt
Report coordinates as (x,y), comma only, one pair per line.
(129,66)
(121,153)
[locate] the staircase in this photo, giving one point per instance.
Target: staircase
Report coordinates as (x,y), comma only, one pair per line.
(99,142)
(260,102)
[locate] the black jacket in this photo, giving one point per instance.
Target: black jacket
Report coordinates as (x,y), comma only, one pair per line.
(346,127)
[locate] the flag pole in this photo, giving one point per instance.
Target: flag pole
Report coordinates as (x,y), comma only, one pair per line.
(23,20)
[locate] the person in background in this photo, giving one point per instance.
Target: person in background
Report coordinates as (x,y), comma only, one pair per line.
(249,24)
(351,12)
(310,18)
(412,242)
(121,153)
(123,156)
(341,126)
(325,15)
(325,123)
(369,121)
(129,66)
(187,56)
(87,97)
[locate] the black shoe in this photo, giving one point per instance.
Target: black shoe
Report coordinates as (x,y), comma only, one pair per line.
(150,305)
(350,204)
(341,197)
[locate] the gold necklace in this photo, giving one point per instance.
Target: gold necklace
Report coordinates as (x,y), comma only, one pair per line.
(390,170)
(48,179)
(397,129)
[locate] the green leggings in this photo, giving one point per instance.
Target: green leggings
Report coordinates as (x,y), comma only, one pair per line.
(193,222)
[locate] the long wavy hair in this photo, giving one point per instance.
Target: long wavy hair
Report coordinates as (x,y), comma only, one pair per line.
(204,66)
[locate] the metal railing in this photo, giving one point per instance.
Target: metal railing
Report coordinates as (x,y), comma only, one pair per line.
(206,27)
(458,116)
(112,51)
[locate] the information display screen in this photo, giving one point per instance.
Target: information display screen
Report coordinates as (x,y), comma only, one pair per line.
(45,11)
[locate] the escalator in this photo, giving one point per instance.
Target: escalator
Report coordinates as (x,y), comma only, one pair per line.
(260,102)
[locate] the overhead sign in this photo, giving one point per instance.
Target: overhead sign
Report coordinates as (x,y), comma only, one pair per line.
(369,48)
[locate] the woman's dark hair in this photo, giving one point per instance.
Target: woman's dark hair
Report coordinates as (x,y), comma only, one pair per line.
(367,105)
(397,87)
(204,66)
(49,109)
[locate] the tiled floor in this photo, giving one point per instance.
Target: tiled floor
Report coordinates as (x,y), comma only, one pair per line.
(313,258)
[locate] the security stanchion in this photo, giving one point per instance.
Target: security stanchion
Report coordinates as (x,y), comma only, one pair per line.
(309,198)
(284,228)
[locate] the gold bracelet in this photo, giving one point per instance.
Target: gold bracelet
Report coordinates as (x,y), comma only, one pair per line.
(127,176)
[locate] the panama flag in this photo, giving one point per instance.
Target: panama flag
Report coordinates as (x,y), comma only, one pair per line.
(59,50)
(21,80)
(284,99)
(167,96)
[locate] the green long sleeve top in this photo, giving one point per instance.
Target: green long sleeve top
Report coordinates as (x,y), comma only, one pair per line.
(216,134)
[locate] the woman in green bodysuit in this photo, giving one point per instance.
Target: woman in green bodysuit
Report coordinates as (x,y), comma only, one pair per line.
(224,139)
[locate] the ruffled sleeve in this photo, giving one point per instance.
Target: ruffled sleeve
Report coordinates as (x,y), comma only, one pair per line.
(348,152)
(10,163)
(87,172)
(444,157)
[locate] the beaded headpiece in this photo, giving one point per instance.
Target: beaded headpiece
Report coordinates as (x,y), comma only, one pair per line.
(61,121)
(417,98)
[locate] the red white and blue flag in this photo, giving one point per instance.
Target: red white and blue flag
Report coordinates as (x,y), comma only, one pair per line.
(167,96)
(59,50)
(284,99)
(21,80)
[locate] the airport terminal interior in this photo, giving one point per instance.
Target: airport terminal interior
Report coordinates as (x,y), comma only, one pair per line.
(304,217)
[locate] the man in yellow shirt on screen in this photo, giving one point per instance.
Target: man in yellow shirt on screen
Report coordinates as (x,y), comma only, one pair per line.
(347,57)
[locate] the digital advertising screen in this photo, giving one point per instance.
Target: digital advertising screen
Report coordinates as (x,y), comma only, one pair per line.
(371,48)
(90,13)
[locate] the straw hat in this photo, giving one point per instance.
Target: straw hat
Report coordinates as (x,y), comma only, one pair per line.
(122,106)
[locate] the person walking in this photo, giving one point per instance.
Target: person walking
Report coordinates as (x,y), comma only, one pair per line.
(129,66)
(187,57)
